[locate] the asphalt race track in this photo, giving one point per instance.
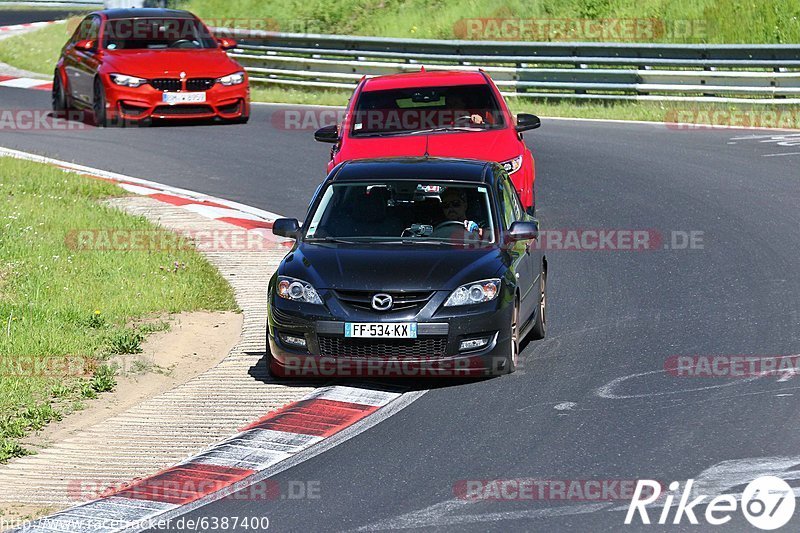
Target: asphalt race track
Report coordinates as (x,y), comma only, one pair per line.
(592,401)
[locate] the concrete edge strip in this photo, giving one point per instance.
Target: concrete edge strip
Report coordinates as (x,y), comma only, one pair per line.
(265,447)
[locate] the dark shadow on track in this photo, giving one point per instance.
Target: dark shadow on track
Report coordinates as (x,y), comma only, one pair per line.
(259,372)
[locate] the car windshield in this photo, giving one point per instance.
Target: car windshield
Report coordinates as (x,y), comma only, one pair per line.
(156,33)
(403,211)
(399,111)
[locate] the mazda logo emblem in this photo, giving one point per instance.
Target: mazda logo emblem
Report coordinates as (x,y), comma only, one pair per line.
(382,302)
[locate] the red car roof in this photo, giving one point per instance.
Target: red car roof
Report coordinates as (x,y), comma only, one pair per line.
(440,78)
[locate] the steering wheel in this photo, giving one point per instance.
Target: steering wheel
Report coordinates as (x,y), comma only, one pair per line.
(182,43)
(446,223)
(463,118)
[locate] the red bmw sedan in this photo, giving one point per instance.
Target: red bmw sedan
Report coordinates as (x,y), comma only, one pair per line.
(132,65)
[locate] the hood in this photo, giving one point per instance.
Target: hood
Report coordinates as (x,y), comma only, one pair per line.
(376,266)
(211,63)
(491,145)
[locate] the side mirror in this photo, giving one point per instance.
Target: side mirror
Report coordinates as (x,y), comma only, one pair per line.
(286,227)
(85,45)
(226,43)
(527,122)
(523,231)
(327,134)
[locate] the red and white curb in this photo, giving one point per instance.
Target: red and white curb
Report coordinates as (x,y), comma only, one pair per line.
(28,25)
(231,465)
(25,83)
(250,218)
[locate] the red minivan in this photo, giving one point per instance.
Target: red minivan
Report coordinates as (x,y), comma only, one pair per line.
(439,113)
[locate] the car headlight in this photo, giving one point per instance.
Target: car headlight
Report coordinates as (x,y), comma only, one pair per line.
(474,293)
(297,290)
(127,81)
(232,79)
(512,165)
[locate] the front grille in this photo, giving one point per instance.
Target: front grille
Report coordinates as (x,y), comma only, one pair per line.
(182,109)
(200,84)
(166,84)
(384,348)
(401,300)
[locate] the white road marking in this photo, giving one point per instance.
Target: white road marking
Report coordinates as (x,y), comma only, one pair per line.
(778,155)
(565,406)
(607,390)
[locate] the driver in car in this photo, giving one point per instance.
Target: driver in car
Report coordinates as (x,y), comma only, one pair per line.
(458,107)
(454,208)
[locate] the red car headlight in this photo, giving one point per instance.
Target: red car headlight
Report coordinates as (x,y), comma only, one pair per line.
(512,165)
(236,78)
(127,81)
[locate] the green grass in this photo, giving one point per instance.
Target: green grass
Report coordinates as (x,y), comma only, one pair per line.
(719,21)
(36,51)
(60,304)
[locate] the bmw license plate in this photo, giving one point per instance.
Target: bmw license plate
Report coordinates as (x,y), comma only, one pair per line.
(183,98)
(397,330)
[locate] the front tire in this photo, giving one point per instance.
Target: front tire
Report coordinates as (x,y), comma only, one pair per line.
(99,105)
(540,326)
(58,96)
(513,360)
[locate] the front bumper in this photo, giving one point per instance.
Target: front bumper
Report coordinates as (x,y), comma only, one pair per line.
(129,103)
(434,353)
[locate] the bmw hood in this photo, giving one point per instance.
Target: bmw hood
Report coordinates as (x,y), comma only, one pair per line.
(390,267)
(211,63)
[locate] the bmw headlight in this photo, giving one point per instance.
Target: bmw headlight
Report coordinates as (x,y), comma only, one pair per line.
(127,81)
(512,165)
(232,79)
(297,290)
(474,293)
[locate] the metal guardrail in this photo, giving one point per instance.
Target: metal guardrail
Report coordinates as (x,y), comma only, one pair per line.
(604,71)
(88,4)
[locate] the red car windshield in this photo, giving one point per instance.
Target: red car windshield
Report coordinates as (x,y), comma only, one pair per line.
(156,33)
(410,110)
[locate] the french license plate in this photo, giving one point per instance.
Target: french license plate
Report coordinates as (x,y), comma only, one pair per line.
(183,98)
(397,330)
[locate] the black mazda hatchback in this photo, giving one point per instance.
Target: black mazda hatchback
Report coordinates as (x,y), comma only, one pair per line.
(408,267)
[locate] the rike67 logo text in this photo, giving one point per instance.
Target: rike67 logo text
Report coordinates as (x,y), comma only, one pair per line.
(767,503)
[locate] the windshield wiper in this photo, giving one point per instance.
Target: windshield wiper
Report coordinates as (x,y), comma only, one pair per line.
(330,239)
(447,128)
(385,133)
